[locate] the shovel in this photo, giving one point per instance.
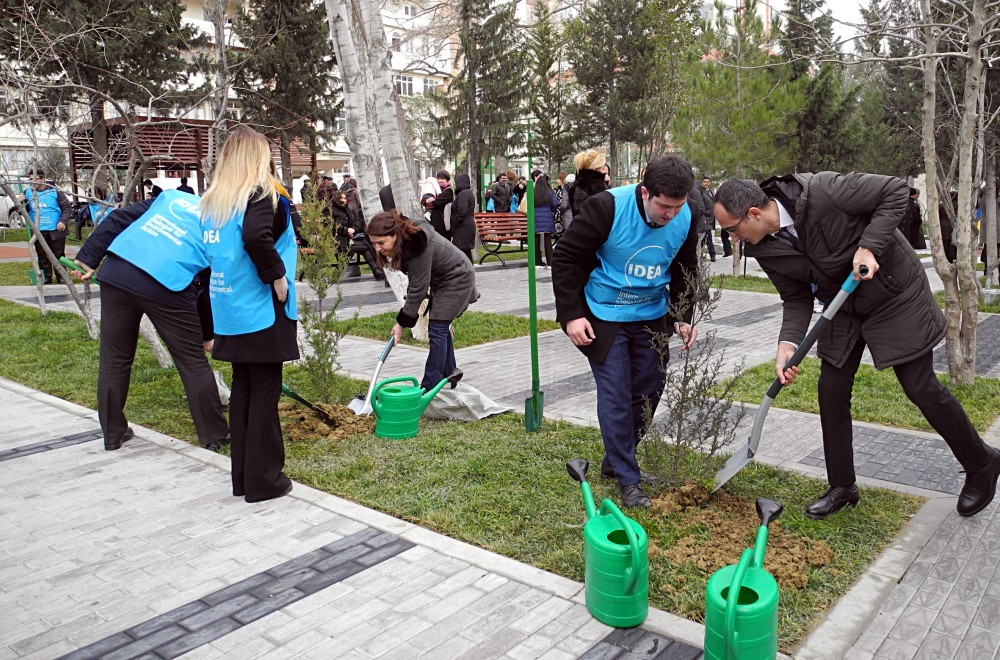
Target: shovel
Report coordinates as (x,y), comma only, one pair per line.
(292,394)
(363,405)
(740,459)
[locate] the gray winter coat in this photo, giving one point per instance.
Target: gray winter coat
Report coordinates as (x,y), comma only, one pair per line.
(834,214)
(436,269)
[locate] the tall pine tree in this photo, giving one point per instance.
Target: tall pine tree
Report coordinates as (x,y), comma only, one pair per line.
(284,88)
(739,114)
(554,138)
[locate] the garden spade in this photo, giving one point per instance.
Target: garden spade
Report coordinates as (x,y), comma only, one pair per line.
(292,394)
(535,403)
(362,405)
(740,459)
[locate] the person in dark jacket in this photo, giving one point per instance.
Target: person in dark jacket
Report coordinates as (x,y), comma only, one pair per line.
(947,218)
(52,211)
(463,221)
(708,206)
(518,192)
(143,271)
(436,270)
(590,178)
(184,187)
(437,205)
(500,193)
(251,248)
(385,197)
(915,231)
(546,207)
(807,229)
(350,231)
(694,202)
(611,274)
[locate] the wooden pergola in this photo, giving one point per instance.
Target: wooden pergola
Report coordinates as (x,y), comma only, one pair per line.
(165,143)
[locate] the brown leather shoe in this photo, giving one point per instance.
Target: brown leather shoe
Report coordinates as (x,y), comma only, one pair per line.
(833,500)
(980,486)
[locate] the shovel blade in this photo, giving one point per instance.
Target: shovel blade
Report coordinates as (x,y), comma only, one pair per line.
(357,406)
(533,406)
(736,462)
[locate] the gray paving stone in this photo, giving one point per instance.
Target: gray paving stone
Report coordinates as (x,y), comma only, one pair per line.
(267,606)
(201,637)
(224,609)
(146,644)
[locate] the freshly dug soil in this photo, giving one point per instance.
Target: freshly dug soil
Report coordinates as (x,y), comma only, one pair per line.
(720,529)
(301,422)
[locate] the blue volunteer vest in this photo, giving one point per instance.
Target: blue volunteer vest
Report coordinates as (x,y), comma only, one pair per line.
(630,281)
(165,241)
(45,202)
(241,303)
(99,211)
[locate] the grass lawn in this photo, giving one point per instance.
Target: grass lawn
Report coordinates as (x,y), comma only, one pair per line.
(489,483)
(471,328)
(748,283)
(878,397)
(14,273)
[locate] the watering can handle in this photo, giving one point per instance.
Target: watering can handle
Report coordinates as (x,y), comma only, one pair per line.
(632,578)
(731,637)
(395,379)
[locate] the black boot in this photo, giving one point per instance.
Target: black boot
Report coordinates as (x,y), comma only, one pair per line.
(980,486)
(833,500)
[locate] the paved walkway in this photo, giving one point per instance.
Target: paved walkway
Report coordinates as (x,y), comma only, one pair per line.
(144,552)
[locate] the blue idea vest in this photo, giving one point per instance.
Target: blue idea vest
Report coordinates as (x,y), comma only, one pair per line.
(165,241)
(99,211)
(241,303)
(47,205)
(630,281)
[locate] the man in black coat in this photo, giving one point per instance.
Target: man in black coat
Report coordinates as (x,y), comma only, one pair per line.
(463,221)
(708,202)
(500,193)
(813,229)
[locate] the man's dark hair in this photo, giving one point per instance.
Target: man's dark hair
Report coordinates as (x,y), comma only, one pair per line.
(705,178)
(443,174)
(184,180)
(668,175)
(36,172)
(147,182)
(914,191)
(738,196)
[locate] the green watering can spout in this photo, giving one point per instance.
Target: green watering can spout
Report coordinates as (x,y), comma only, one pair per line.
(577,469)
(425,400)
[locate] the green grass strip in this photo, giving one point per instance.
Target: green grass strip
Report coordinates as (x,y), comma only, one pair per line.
(878,396)
(471,328)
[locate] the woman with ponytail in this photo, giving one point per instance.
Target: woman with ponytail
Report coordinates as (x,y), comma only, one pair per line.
(436,270)
(246,227)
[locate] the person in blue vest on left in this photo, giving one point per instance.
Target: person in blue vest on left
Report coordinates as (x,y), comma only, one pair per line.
(153,263)
(52,210)
(616,275)
(248,234)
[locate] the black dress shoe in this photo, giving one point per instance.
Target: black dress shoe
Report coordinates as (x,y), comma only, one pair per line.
(834,499)
(980,486)
(454,377)
(644,477)
(286,491)
(218,444)
(634,496)
(126,436)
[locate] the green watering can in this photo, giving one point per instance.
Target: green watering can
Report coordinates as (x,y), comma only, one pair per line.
(398,408)
(744,627)
(616,564)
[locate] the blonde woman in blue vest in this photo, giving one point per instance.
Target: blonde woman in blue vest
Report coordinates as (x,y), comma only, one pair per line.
(247,230)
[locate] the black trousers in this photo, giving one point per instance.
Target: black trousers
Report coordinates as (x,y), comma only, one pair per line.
(56,240)
(258,451)
(727,248)
(543,241)
(938,405)
(710,243)
(180,330)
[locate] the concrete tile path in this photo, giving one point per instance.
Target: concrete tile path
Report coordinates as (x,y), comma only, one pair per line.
(143,552)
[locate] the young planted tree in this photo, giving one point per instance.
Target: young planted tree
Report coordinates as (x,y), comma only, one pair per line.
(697,417)
(284,87)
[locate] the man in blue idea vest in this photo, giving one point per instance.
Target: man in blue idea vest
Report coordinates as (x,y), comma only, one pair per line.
(615,273)
(52,210)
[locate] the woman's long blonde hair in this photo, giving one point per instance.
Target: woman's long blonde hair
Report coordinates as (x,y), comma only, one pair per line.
(244,168)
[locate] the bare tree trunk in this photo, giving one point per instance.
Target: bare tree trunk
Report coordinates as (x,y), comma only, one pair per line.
(216,10)
(148,333)
(360,133)
(989,226)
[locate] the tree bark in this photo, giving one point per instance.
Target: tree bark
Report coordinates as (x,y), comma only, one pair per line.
(989,225)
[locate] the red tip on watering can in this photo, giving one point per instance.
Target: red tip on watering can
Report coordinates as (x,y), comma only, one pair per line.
(616,563)
(744,626)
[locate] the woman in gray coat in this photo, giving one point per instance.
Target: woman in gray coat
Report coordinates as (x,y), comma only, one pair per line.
(436,270)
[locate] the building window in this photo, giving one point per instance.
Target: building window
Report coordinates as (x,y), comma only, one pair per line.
(404,85)
(340,124)
(409,10)
(431,85)
(396,39)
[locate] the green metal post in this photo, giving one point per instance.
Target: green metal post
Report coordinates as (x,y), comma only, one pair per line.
(533,405)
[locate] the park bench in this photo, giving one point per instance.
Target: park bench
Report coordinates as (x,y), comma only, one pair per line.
(497,230)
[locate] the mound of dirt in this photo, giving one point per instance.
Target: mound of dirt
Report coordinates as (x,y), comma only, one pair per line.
(721,528)
(339,423)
